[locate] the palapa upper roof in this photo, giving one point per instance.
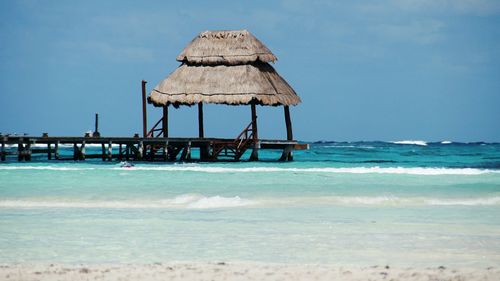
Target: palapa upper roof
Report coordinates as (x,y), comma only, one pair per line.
(226,47)
(225,67)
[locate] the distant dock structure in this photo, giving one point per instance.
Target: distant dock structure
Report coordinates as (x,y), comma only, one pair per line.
(228,67)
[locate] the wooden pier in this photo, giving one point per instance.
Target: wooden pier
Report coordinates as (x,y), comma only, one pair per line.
(24,148)
(229,67)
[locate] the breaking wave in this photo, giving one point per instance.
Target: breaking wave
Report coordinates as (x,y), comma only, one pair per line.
(52,168)
(412,142)
(413,201)
(354,170)
(219,169)
(186,201)
(193,201)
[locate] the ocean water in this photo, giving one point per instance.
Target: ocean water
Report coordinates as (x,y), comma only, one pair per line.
(364,203)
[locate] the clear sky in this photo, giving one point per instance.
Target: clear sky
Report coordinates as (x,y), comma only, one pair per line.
(365,70)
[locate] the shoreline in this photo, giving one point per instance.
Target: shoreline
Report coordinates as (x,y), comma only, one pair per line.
(235,271)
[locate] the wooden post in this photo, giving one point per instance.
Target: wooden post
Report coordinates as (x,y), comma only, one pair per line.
(127,152)
(186,153)
(110,151)
(82,151)
(201,133)
(289,133)
(28,151)
(2,153)
(56,150)
(165,121)
(120,153)
(288,150)
(165,151)
(75,151)
(49,152)
(144,113)
(255,152)
(103,152)
(140,151)
(96,131)
(287,153)
(20,150)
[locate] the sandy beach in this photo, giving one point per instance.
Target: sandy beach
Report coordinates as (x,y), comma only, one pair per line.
(236,271)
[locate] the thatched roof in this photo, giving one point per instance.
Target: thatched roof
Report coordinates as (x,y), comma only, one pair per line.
(226,67)
(226,47)
(239,84)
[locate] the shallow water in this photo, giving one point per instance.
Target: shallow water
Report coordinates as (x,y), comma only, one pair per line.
(364,203)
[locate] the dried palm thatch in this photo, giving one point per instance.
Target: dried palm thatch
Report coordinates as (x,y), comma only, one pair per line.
(229,47)
(225,67)
(238,84)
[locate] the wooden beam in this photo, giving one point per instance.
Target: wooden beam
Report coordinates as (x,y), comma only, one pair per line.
(255,152)
(289,133)
(165,121)
(201,132)
(144,113)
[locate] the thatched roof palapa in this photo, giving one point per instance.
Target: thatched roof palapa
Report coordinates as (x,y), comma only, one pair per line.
(224,67)
(226,47)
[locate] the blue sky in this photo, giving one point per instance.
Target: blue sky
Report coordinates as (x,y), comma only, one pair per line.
(365,70)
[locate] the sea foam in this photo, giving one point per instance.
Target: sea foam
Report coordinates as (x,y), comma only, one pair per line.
(190,201)
(411,201)
(186,201)
(353,170)
(426,171)
(412,142)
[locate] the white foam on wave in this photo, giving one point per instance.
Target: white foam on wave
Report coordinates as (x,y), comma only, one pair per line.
(349,146)
(186,201)
(446,142)
(465,202)
(428,171)
(52,168)
(412,142)
(219,202)
(353,170)
(192,201)
(395,201)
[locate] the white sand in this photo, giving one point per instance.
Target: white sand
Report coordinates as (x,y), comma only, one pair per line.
(235,271)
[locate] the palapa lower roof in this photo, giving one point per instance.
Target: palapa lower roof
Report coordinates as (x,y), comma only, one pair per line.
(222,84)
(225,47)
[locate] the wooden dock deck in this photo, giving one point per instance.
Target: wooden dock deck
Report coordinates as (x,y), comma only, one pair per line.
(140,149)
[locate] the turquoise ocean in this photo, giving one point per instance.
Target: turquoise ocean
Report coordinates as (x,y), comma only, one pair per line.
(406,203)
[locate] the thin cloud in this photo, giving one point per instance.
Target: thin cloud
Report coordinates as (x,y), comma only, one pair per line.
(421,32)
(477,7)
